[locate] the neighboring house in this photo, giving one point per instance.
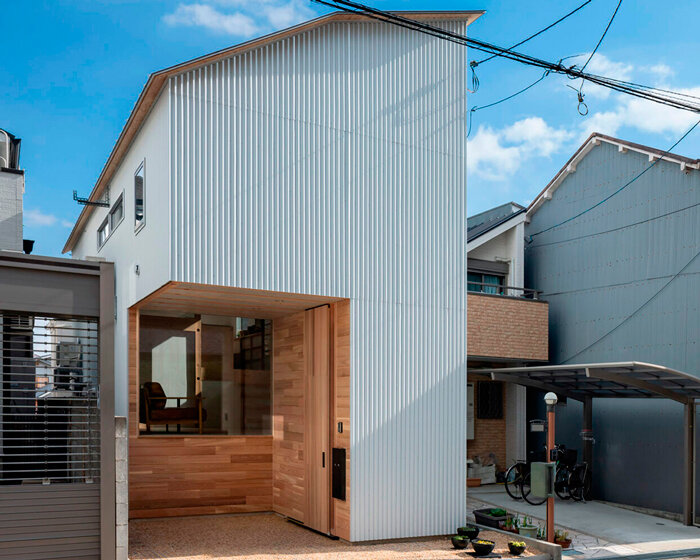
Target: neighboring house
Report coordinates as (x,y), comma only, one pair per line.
(507,326)
(622,278)
(57,426)
(287,225)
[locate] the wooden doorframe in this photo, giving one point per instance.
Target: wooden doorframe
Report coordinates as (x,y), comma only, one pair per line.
(317,418)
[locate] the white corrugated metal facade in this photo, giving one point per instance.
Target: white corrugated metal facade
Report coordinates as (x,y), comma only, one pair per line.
(333,163)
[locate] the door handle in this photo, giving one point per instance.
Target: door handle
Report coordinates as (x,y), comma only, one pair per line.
(323,459)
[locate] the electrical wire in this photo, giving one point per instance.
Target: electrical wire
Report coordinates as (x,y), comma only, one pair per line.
(478,108)
(582,107)
(627,184)
(602,36)
(626,319)
(648,93)
(571,13)
(579,237)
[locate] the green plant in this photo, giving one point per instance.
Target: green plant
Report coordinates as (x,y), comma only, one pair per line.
(517,543)
(498,512)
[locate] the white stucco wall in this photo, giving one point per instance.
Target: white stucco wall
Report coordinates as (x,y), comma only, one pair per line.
(505,244)
(148,248)
(11,196)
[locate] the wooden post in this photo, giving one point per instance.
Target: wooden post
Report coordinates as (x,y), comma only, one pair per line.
(550,448)
(689,470)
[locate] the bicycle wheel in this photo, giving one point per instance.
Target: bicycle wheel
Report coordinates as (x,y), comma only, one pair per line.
(526,492)
(561,483)
(514,480)
(581,486)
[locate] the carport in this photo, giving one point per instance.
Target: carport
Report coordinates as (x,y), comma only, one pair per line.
(584,382)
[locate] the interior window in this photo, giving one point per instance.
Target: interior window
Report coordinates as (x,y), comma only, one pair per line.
(229,393)
(139,197)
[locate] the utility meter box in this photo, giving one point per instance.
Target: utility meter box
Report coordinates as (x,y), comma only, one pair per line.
(538,426)
(542,480)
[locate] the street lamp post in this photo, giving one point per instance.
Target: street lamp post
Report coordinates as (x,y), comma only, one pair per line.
(551,400)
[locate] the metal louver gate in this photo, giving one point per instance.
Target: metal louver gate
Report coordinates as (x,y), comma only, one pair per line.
(49,434)
(56,409)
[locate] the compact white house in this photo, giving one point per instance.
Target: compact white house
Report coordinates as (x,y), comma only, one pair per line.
(287,222)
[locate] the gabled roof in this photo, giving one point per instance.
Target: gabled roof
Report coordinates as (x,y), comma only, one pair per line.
(156,81)
(624,146)
(481,223)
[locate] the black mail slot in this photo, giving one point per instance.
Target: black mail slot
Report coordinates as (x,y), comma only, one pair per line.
(338,473)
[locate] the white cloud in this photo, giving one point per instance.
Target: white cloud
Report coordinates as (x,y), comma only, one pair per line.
(640,114)
(496,155)
(660,72)
(286,15)
(240,18)
(37,218)
(203,15)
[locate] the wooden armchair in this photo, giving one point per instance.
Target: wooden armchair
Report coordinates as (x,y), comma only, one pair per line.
(152,409)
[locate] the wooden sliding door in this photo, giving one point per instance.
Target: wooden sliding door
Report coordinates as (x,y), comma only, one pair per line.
(317,358)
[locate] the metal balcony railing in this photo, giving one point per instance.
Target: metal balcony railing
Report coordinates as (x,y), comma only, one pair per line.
(501,290)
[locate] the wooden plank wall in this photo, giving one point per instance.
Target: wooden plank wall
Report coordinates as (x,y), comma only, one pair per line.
(288,492)
(317,357)
(340,410)
(173,476)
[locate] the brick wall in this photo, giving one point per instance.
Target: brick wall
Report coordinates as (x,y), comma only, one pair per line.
(504,327)
(489,435)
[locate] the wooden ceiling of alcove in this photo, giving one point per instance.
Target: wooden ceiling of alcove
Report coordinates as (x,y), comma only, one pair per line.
(201,299)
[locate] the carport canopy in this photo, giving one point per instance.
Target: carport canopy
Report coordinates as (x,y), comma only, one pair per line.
(603,380)
(584,382)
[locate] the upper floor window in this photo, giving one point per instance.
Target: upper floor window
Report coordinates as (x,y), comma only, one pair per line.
(110,223)
(139,197)
(485,283)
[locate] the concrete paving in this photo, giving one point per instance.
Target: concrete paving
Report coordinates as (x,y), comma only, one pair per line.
(599,529)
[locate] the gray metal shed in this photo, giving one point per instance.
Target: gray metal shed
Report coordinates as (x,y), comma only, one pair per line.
(584,382)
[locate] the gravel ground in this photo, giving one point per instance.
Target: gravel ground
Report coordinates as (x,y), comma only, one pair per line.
(267,536)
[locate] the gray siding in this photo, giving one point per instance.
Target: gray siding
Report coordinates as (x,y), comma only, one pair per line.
(596,271)
(333,163)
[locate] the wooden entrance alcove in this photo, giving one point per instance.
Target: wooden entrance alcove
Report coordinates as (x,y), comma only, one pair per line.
(287,471)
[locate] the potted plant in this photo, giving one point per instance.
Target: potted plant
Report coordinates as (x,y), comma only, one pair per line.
(527,529)
(491,517)
(510,525)
(516,547)
(482,547)
(562,539)
(469,531)
(458,541)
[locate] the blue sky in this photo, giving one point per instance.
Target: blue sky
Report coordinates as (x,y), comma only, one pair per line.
(76,68)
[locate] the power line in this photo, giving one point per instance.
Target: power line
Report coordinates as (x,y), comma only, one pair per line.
(571,13)
(478,108)
(647,93)
(627,184)
(647,302)
(578,237)
(602,36)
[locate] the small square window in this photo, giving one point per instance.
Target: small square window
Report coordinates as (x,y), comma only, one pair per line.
(139,197)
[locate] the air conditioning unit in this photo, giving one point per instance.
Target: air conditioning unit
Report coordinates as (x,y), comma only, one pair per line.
(4,149)
(19,322)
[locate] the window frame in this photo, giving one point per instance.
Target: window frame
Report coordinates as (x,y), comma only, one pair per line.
(500,287)
(139,224)
(109,221)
